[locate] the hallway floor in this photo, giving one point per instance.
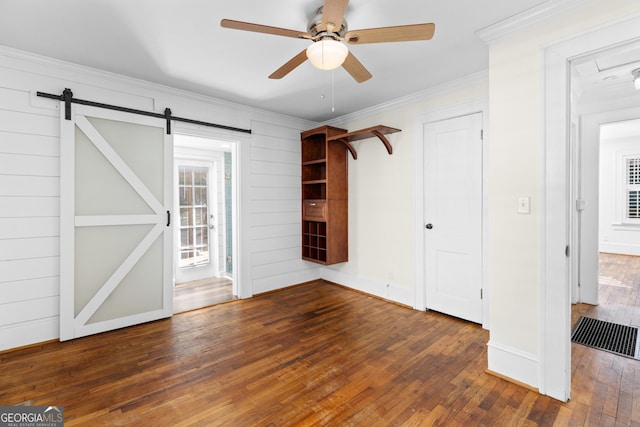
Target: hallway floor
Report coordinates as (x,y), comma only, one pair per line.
(618,291)
(606,387)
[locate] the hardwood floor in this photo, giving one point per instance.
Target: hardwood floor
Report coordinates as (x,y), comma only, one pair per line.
(606,387)
(201,293)
(618,291)
(315,354)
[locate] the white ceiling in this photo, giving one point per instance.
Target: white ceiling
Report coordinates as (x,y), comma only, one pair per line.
(604,79)
(613,67)
(181,44)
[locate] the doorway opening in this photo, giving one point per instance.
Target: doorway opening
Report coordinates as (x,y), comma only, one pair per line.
(602,203)
(204,230)
(555,373)
(607,231)
(605,135)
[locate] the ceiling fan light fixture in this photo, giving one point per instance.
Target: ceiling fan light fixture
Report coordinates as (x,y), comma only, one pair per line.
(327,54)
(636,78)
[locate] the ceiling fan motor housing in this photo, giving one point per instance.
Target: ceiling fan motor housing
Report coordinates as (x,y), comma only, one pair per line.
(318,31)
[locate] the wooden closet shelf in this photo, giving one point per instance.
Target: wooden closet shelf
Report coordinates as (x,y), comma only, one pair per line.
(375,131)
(314,162)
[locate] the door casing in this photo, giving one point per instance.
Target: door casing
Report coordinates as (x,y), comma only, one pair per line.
(478,105)
(453,210)
(205,139)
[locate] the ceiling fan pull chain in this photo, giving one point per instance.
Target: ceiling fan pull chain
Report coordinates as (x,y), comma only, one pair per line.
(333,106)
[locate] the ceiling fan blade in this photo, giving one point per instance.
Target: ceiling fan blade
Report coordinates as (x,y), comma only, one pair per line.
(289,65)
(356,69)
(402,33)
(258,28)
(333,14)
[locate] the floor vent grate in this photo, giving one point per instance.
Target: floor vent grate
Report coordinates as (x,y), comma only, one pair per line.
(611,337)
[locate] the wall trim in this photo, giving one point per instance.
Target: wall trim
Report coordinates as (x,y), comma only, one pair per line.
(384,290)
(145,85)
(476,105)
(527,19)
(515,364)
(481,77)
(620,248)
(29,333)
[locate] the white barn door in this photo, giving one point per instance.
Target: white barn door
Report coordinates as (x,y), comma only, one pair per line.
(116,242)
(453,216)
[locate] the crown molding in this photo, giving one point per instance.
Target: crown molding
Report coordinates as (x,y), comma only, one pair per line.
(481,77)
(132,82)
(528,18)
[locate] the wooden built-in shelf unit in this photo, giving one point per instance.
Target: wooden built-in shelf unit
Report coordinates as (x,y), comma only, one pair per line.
(324,197)
(325,237)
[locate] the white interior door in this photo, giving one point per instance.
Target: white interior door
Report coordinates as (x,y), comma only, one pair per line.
(116,243)
(453,216)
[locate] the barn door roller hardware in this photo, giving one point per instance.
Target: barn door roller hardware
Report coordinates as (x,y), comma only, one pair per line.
(67,97)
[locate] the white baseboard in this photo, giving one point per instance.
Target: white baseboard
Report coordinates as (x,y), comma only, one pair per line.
(27,333)
(273,283)
(513,363)
(381,289)
(620,248)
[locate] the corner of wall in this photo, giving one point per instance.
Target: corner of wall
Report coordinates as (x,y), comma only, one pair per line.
(381,289)
(513,363)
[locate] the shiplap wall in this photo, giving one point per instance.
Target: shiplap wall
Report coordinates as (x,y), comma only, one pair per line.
(275,210)
(29,219)
(29,185)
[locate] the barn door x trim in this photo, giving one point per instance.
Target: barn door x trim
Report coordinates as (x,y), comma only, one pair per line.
(115,241)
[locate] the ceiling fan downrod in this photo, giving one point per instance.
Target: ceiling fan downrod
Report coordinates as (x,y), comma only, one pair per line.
(319,31)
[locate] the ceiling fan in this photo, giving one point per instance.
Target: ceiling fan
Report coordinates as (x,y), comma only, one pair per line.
(328,29)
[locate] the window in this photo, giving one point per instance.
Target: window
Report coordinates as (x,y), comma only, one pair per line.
(194,228)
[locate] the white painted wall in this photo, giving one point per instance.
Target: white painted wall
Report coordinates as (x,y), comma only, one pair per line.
(382,194)
(220,223)
(29,184)
(275,211)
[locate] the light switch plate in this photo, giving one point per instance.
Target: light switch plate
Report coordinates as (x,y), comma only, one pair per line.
(524,205)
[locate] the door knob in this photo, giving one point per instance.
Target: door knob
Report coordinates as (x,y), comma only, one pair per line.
(429,226)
